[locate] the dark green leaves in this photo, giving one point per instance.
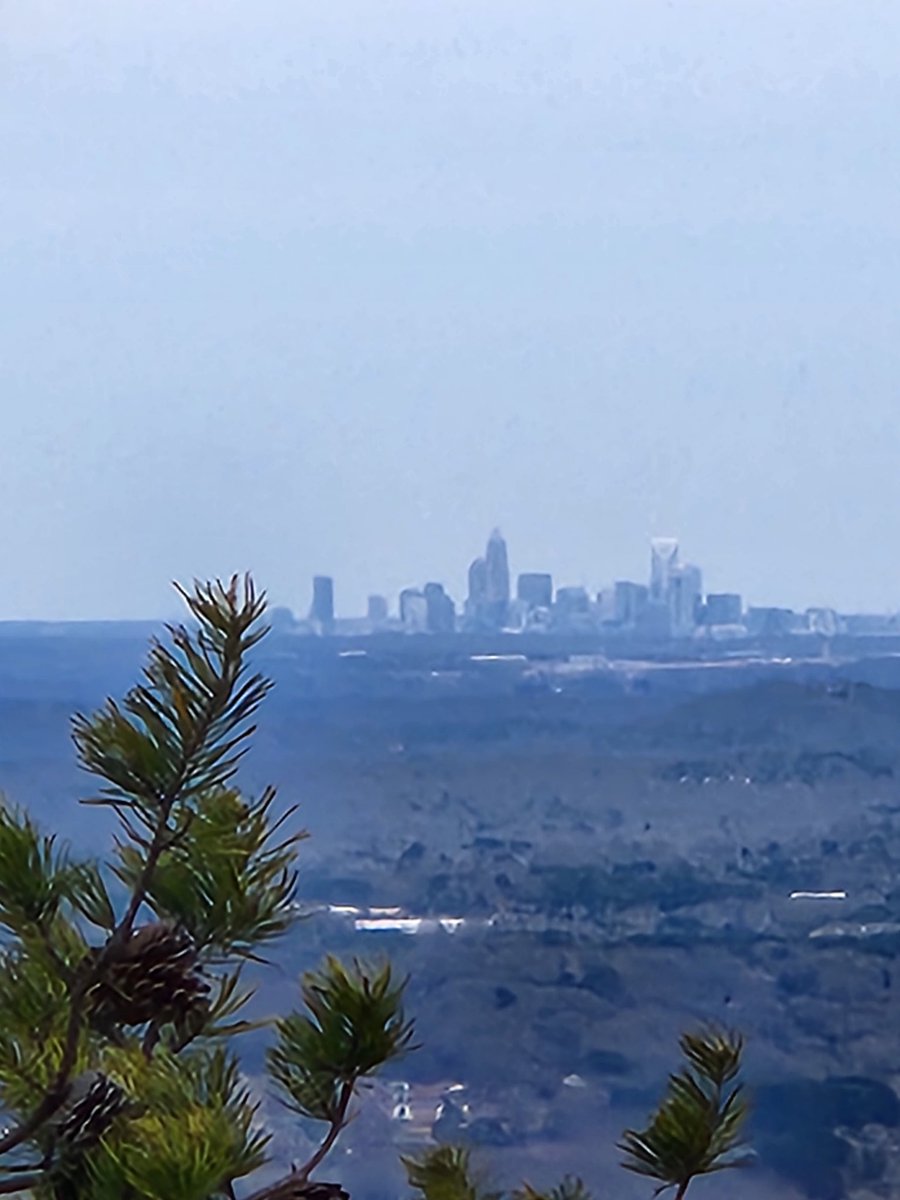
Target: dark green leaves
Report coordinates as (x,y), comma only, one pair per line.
(714,1055)
(227,878)
(33,874)
(195,1134)
(89,897)
(571,1188)
(443,1173)
(353,1024)
(182,730)
(446,1173)
(698,1126)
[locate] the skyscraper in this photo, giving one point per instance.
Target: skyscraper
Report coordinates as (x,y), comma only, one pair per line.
(497,563)
(663,558)
(535,589)
(322,609)
(377,610)
(629,602)
(441,609)
(413,611)
(477,597)
(685,595)
(724,608)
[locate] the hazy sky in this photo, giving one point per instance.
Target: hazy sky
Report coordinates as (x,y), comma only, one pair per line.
(337,287)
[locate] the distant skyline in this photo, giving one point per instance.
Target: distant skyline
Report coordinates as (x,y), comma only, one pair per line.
(403,272)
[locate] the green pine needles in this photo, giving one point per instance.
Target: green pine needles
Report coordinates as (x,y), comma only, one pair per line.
(120,983)
(698,1127)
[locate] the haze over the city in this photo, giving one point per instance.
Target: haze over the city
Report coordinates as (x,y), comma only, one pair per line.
(309,288)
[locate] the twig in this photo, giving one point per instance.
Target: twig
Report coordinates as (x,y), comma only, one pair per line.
(340,1120)
(22,1184)
(290,1185)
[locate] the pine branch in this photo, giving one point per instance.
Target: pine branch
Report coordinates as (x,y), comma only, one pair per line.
(24,1183)
(189,718)
(338,1122)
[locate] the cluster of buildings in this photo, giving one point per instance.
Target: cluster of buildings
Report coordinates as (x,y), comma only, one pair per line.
(670,605)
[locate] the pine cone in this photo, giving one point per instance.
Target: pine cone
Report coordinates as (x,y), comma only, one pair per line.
(154,977)
(93,1103)
(323,1191)
(294,1187)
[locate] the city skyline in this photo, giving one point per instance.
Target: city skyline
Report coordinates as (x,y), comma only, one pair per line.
(670,601)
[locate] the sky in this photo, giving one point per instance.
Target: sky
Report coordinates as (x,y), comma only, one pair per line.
(337,288)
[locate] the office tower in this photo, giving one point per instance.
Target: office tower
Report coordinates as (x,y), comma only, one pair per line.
(723,608)
(630,601)
(824,621)
(767,622)
(497,564)
(605,606)
(497,571)
(573,600)
(663,558)
(322,610)
(377,610)
(477,597)
(413,611)
(684,597)
(535,589)
(572,610)
(440,609)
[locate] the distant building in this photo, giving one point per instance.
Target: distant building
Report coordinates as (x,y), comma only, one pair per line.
(281,620)
(773,622)
(535,589)
(605,606)
(497,569)
(413,611)
(654,622)
(723,608)
(440,609)
(377,610)
(663,558)
(572,600)
(685,597)
(322,609)
(870,624)
(487,605)
(572,610)
(824,621)
(629,601)
(477,597)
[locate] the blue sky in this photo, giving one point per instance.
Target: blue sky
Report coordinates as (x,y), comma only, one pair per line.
(308,288)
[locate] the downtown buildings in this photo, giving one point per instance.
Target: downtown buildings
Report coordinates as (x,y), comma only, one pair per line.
(670,606)
(669,609)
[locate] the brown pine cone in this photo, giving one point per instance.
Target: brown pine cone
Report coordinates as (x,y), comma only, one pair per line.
(295,1187)
(91,1106)
(154,976)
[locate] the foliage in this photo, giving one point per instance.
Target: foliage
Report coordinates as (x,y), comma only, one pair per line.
(445,1173)
(353,1024)
(195,1128)
(698,1127)
(222,880)
(116,1011)
(121,983)
(571,1188)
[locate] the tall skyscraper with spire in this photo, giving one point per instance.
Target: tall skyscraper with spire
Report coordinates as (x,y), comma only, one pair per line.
(497,563)
(663,559)
(487,606)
